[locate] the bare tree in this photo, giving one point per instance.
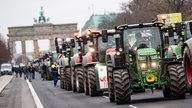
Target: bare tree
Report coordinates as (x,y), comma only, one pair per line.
(142,11)
(4,51)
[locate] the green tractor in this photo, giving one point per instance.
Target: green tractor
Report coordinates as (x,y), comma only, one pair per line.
(141,61)
(65,50)
(95,71)
(180,41)
(76,64)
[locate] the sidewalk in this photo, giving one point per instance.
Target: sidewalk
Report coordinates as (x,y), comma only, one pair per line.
(4,80)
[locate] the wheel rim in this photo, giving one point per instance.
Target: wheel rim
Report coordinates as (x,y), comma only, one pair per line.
(188,70)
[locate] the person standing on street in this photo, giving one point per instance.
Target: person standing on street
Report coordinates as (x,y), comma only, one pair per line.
(30,72)
(54,69)
(44,69)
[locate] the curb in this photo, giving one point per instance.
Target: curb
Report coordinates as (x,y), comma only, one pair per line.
(5,83)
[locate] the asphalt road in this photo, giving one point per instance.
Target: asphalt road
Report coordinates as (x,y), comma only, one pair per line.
(17,95)
(55,97)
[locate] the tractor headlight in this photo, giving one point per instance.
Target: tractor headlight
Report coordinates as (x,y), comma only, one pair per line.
(143,65)
(154,64)
(118,53)
(91,49)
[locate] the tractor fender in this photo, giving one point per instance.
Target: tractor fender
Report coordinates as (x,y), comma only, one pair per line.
(87,59)
(176,51)
(75,60)
(111,56)
(61,62)
(188,44)
(72,61)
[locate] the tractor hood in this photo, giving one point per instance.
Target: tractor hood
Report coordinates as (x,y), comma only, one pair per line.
(146,51)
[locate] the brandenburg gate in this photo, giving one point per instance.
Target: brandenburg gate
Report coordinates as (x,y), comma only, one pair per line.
(38,31)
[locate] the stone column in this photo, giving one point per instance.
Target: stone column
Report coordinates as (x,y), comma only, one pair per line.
(36,48)
(11,50)
(24,60)
(51,45)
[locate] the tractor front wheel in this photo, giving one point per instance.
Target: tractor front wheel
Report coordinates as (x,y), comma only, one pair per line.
(86,85)
(177,87)
(92,82)
(68,78)
(122,86)
(110,82)
(188,69)
(79,79)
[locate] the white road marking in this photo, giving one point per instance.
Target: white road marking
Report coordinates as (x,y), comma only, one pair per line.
(105,97)
(132,106)
(35,97)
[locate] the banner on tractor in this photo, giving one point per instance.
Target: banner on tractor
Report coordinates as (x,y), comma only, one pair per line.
(170,18)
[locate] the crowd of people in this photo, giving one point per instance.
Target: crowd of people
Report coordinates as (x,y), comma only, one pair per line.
(28,72)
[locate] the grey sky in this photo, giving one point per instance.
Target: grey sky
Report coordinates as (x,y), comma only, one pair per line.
(21,12)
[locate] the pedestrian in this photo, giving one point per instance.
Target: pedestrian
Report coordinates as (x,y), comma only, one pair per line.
(20,71)
(25,71)
(54,70)
(44,69)
(30,72)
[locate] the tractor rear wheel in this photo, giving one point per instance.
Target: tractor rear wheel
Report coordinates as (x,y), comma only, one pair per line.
(122,86)
(110,83)
(92,82)
(68,78)
(79,79)
(177,77)
(188,69)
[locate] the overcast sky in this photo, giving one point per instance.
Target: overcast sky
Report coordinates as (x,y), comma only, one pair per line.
(21,12)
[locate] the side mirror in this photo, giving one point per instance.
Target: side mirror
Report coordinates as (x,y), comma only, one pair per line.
(166,41)
(84,40)
(56,45)
(72,43)
(104,36)
(170,31)
(178,28)
(118,43)
(56,42)
(190,27)
(64,46)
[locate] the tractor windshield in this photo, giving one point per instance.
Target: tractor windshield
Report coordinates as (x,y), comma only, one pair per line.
(75,49)
(109,44)
(148,37)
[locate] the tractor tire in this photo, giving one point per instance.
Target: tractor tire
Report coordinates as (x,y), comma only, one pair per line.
(73,77)
(61,84)
(177,89)
(79,79)
(68,78)
(86,84)
(188,69)
(122,86)
(62,79)
(92,82)
(110,82)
